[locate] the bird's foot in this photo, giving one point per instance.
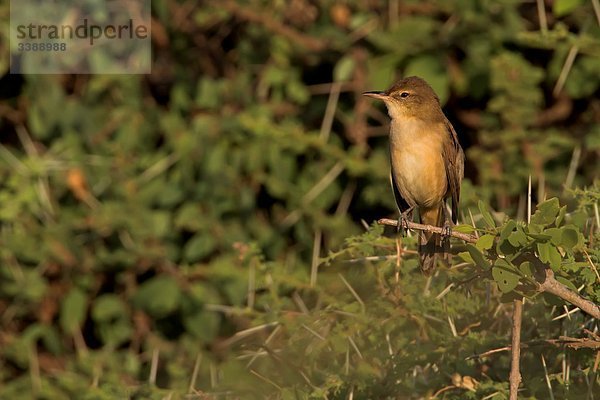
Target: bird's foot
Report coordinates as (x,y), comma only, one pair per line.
(446,230)
(403,221)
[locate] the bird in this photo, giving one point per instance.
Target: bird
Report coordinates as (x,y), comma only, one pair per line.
(427,163)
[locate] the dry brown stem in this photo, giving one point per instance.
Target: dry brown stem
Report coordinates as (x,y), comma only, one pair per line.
(515,374)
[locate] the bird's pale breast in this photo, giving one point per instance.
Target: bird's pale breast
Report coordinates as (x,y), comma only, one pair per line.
(417,162)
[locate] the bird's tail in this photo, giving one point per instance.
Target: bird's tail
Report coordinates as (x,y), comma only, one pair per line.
(430,244)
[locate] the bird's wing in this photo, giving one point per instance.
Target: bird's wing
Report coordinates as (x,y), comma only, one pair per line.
(400,201)
(454,160)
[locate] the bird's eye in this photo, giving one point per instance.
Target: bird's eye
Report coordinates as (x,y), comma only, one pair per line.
(404,94)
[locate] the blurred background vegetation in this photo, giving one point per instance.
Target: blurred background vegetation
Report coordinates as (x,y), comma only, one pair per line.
(201,231)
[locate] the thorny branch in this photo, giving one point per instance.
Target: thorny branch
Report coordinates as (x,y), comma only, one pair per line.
(592,342)
(546,283)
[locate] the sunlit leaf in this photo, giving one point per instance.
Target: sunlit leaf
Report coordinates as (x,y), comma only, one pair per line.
(478,257)
(505,275)
(546,212)
(564,7)
(485,242)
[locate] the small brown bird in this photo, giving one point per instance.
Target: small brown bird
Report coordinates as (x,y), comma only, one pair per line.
(427,162)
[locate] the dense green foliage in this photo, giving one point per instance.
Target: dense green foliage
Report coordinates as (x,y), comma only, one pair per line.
(201,229)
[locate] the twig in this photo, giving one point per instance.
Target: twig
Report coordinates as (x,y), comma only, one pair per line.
(566,314)
(153,367)
(573,167)
(192,386)
(332,102)
(351,289)
(314,192)
(547,378)
(541,9)
(575,343)
(314,269)
(562,78)
(515,374)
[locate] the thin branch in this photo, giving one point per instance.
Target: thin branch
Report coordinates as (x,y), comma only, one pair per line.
(314,269)
(551,285)
(550,392)
(429,228)
(562,78)
(515,374)
(541,9)
(575,343)
(334,96)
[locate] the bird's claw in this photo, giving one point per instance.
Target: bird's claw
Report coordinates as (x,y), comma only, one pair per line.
(446,230)
(402,226)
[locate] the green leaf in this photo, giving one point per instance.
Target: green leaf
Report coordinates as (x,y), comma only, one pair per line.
(72,310)
(343,69)
(543,249)
(466,257)
(158,296)
(485,214)
(464,228)
(555,258)
(507,229)
(203,324)
(518,238)
(505,248)
(505,275)
(564,7)
(546,212)
(570,237)
(485,242)
(549,254)
(542,237)
(526,268)
(555,235)
(108,307)
(478,257)
(199,246)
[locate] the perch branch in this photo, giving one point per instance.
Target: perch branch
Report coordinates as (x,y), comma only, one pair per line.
(549,284)
(429,228)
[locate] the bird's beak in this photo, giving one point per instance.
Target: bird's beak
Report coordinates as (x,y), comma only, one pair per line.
(376,95)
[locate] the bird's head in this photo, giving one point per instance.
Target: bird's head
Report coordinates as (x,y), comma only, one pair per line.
(410,97)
